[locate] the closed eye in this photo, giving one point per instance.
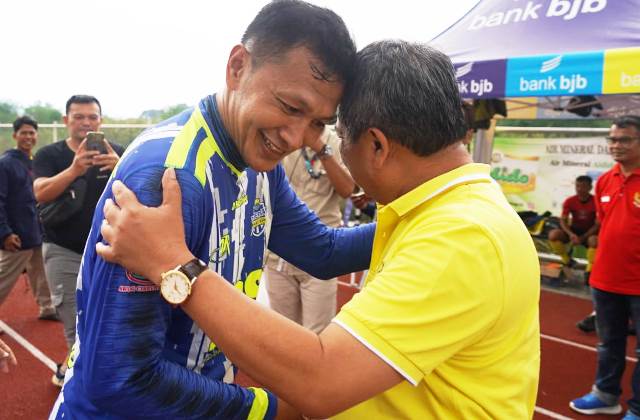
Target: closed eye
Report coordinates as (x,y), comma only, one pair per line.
(288,108)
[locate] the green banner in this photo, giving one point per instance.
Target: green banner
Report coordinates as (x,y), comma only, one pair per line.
(538,174)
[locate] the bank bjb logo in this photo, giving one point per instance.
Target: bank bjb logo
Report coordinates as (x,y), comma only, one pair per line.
(533,10)
(555,75)
(472,86)
(258,217)
(566,83)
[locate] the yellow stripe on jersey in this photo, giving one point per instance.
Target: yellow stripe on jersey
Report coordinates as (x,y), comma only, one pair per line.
(182,143)
(179,151)
(198,115)
(260,404)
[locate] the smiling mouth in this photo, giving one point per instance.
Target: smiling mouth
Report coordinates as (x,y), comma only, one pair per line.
(272,147)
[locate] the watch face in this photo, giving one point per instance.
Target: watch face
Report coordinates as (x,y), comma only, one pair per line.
(175,287)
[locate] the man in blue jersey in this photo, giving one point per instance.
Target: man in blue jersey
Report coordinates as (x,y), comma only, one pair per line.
(135,354)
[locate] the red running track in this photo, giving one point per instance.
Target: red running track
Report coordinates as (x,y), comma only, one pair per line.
(568,357)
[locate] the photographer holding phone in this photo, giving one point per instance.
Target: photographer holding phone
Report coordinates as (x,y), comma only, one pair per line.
(68,170)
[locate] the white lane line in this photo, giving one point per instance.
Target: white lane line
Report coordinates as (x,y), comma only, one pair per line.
(580,346)
(551,414)
(27,345)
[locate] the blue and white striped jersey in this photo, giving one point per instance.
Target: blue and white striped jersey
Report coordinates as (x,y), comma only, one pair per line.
(137,356)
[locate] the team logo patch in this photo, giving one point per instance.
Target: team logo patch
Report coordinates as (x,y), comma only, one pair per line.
(636,199)
(258,218)
(140,284)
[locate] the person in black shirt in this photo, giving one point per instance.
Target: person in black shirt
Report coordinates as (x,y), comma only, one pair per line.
(56,168)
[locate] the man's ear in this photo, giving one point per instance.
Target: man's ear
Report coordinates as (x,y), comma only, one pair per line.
(238,63)
(381,147)
(65,119)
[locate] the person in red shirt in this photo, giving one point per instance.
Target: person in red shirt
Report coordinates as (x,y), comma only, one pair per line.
(577,224)
(615,278)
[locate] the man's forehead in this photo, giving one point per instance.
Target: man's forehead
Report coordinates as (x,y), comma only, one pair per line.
(84,107)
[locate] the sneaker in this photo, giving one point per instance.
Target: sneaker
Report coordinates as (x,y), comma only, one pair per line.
(588,324)
(590,404)
(58,378)
(48,314)
(630,416)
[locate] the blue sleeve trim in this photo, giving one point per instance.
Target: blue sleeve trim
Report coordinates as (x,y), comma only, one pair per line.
(298,236)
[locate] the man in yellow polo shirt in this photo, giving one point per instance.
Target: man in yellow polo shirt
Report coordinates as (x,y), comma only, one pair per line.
(446,325)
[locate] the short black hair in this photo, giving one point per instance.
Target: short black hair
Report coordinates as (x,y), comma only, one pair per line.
(24,120)
(409,92)
(82,99)
(628,121)
(584,178)
(285,24)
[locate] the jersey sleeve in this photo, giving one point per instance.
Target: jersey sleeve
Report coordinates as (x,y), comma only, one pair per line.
(298,236)
(126,320)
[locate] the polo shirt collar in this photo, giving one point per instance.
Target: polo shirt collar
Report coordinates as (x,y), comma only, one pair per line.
(618,172)
(616,169)
(466,174)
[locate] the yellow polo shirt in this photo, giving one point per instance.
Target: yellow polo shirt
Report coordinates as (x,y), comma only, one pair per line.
(451,303)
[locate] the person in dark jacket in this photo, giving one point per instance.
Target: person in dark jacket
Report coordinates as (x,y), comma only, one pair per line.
(20,231)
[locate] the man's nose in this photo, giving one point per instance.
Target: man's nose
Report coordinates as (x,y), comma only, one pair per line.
(294,134)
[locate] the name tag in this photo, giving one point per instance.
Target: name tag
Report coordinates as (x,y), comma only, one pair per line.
(605,199)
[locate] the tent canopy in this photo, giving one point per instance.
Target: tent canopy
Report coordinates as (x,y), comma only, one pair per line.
(532,48)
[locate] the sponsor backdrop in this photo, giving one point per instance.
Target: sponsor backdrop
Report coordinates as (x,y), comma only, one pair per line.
(586,73)
(545,48)
(537,174)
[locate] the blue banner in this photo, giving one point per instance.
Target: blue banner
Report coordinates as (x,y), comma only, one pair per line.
(562,74)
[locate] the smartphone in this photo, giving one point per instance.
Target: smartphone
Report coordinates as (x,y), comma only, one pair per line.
(95,141)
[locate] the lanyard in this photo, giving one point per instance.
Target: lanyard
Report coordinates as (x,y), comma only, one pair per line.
(308,163)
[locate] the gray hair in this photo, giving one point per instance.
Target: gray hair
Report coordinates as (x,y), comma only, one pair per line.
(409,92)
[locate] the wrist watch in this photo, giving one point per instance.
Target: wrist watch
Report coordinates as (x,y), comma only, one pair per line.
(325,152)
(176,284)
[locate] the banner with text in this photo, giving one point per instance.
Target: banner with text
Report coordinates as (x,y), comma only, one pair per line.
(538,174)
